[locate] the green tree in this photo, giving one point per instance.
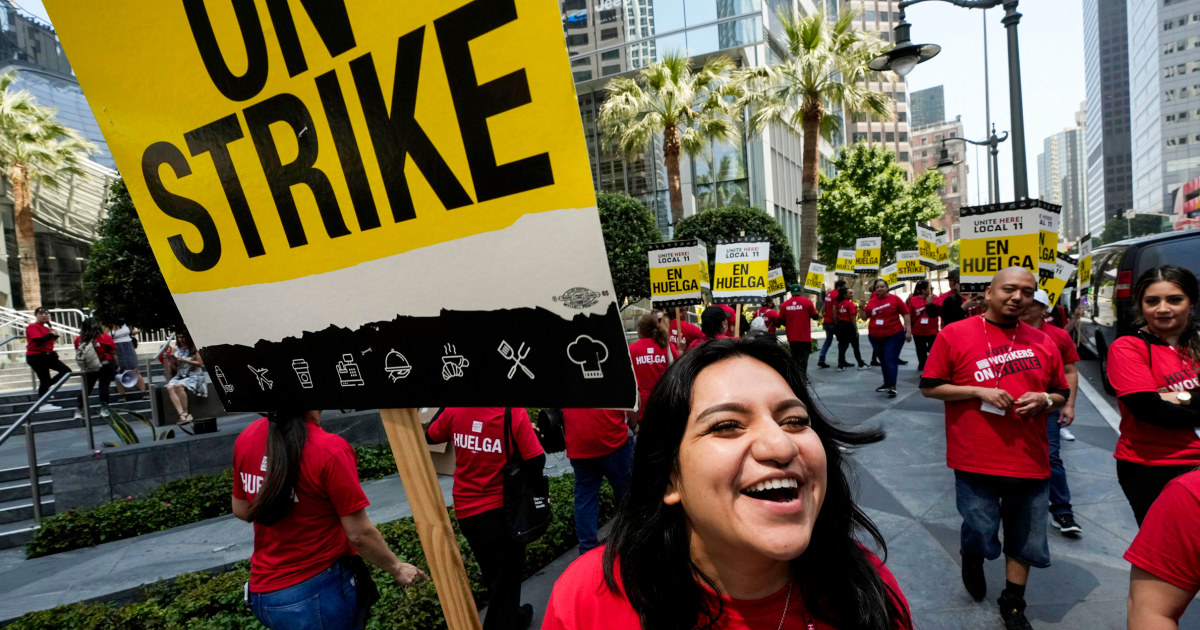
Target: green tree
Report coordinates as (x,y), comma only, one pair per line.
(730,222)
(1119,229)
(871,194)
(628,229)
(687,108)
(33,148)
(824,66)
(122,280)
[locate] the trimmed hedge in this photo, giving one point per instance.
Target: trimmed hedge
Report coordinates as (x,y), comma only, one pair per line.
(214,602)
(172,504)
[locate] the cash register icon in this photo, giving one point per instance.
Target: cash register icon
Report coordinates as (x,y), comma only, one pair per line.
(348,372)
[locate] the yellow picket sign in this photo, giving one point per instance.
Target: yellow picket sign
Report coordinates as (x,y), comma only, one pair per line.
(1054,284)
(815,280)
(845,263)
(927,245)
(996,237)
(867,253)
(740,272)
(1085,262)
(908,265)
(776,285)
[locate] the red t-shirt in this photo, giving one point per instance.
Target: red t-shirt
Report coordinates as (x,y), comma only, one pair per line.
(1168,544)
(310,537)
(922,323)
(885,312)
(581,601)
(106,348)
(770,318)
(594,432)
(847,311)
(798,315)
(731,315)
(980,442)
(1064,343)
(830,305)
(479,455)
(649,362)
(700,342)
(1057,316)
(32,333)
(690,332)
(1131,370)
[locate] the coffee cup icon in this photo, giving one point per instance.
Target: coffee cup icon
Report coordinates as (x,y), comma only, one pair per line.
(453,363)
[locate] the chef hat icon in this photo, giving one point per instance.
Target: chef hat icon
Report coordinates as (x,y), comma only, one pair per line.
(589,354)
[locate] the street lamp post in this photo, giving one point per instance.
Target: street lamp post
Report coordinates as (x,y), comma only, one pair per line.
(945,163)
(905,56)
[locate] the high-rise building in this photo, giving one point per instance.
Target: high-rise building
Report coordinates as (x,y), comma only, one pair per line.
(928,107)
(1062,177)
(878,16)
(607,38)
(1164,99)
(928,143)
(1106,140)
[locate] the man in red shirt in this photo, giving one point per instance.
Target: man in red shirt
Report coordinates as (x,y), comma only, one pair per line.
(998,378)
(599,447)
(829,321)
(798,314)
(40,355)
(680,331)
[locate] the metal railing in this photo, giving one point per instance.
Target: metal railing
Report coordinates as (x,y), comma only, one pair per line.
(31,447)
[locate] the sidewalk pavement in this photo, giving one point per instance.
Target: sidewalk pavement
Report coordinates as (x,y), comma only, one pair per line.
(903,484)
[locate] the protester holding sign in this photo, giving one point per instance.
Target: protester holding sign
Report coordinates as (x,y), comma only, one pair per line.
(1156,373)
(998,378)
(798,316)
(739,514)
(1165,555)
(651,355)
(953,306)
(713,323)
(847,329)
(599,447)
(681,332)
(299,486)
(481,450)
(886,331)
(829,321)
(924,320)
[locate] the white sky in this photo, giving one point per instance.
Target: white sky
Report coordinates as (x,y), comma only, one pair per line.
(1051,43)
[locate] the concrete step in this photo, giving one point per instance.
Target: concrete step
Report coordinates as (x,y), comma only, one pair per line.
(22,472)
(17,534)
(65,418)
(13,513)
(18,490)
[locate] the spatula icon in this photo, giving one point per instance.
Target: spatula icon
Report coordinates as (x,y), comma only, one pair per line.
(506,351)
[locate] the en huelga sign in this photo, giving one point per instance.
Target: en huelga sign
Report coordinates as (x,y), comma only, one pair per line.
(342,197)
(740,271)
(677,273)
(995,237)
(867,253)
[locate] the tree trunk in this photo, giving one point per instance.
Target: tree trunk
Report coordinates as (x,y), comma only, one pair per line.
(811,127)
(671,158)
(31,286)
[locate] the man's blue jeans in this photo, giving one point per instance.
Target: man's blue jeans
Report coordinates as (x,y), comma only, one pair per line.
(326,600)
(830,333)
(888,350)
(588,475)
(1060,494)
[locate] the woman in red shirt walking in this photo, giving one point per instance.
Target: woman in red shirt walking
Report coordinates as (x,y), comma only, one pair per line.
(847,329)
(1156,373)
(651,354)
(91,332)
(924,321)
(887,332)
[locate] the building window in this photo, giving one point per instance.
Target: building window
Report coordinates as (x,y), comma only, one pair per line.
(875,136)
(610,55)
(584,75)
(581,61)
(903,136)
(904,156)
(890,136)
(609,33)
(610,70)
(577,40)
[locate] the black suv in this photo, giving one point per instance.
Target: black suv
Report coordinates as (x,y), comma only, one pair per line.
(1115,268)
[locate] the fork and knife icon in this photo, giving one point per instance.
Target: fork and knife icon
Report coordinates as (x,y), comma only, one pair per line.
(516,357)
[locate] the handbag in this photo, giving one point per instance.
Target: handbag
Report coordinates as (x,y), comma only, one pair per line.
(526,499)
(367,591)
(552,430)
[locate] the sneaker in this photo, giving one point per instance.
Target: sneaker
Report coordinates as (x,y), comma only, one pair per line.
(883,388)
(874,363)
(1066,434)
(864,367)
(891,392)
(901,361)
(49,407)
(842,368)
(524,616)
(1066,524)
(1012,611)
(78,415)
(973,578)
(822,364)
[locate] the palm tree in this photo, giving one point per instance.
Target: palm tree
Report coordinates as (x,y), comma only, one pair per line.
(687,108)
(825,66)
(33,148)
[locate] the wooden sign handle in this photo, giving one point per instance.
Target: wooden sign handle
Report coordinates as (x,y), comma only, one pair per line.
(415,464)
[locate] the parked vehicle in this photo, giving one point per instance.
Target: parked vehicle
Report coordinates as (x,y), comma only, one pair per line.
(1109,311)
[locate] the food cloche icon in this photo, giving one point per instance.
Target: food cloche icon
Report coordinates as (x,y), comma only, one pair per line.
(396,366)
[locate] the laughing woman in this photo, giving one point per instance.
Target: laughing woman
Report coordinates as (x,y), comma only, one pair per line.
(739,513)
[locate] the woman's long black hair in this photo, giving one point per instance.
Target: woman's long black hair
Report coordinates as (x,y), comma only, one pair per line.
(1183,278)
(286,436)
(650,540)
(89,330)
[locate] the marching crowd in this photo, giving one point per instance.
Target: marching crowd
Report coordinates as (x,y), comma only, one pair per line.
(733,507)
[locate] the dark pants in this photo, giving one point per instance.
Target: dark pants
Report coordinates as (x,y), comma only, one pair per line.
(847,336)
(923,344)
(830,333)
(104,376)
(42,364)
(502,562)
(800,351)
(1060,493)
(589,473)
(1142,484)
(888,348)
(988,503)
